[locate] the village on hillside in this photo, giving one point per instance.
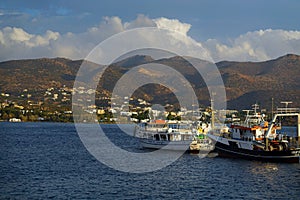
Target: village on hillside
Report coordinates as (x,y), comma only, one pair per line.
(56,106)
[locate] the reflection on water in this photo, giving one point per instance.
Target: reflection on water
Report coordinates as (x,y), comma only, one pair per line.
(264,168)
(265,171)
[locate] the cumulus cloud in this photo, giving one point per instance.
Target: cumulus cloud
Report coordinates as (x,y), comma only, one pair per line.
(14,35)
(17,43)
(256,46)
(140,21)
(172,24)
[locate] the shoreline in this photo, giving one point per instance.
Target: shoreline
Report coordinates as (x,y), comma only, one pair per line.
(3,121)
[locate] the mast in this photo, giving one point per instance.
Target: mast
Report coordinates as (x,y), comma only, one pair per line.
(212,114)
(272,112)
(255,107)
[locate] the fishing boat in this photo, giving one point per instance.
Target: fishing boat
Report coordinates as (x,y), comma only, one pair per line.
(256,139)
(173,135)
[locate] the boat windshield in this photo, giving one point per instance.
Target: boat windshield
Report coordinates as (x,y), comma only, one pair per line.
(178,126)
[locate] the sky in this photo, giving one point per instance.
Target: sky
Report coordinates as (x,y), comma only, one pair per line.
(250,30)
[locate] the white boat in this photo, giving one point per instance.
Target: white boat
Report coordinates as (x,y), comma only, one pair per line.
(177,136)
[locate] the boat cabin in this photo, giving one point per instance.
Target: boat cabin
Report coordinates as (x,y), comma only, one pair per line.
(166,131)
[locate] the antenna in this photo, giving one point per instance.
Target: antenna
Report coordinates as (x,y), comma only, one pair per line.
(286,104)
(272,107)
(247,111)
(212,110)
(255,107)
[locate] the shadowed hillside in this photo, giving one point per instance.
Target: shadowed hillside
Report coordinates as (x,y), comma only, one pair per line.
(246,82)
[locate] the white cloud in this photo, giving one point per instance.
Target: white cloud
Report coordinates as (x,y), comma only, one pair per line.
(172,24)
(256,46)
(14,35)
(140,21)
(16,43)
(17,34)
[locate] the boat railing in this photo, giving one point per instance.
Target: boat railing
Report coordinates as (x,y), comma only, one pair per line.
(166,136)
(287,110)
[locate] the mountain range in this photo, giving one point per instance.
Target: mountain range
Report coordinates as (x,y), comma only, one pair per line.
(246,82)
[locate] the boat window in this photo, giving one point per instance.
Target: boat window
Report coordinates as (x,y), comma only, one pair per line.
(173,126)
(156,136)
(163,137)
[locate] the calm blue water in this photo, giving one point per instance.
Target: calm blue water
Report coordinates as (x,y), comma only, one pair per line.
(48,160)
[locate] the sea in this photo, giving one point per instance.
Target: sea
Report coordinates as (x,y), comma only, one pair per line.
(49,161)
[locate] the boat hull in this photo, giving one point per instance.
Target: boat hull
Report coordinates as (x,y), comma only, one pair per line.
(289,156)
(174,146)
